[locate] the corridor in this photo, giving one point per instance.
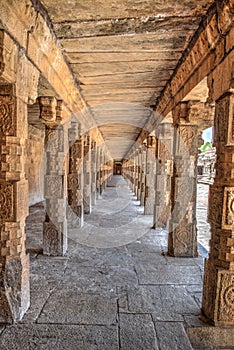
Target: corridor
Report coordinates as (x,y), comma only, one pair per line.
(116,291)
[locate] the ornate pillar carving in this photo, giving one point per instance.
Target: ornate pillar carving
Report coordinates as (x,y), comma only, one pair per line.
(164,145)
(136,172)
(56,147)
(182,240)
(143,175)
(87,175)
(75,209)
(150,175)
(14,262)
(93,172)
(218,292)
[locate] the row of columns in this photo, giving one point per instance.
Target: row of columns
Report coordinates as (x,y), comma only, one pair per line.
(170,194)
(77,169)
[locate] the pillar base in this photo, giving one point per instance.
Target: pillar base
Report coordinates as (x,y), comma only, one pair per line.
(14,290)
(218,295)
(54,238)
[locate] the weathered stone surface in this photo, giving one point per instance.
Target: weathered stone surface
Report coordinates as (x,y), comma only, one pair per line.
(172,336)
(169,274)
(60,337)
(78,308)
(211,337)
(137,332)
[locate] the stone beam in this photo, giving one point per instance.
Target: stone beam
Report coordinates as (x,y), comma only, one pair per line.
(31,30)
(210,45)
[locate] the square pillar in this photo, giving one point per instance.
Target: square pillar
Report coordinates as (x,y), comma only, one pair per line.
(218,292)
(150,176)
(182,239)
(75,209)
(164,149)
(87,175)
(93,172)
(14,262)
(56,149)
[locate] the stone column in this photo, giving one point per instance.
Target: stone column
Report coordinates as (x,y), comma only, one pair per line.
(14,262)
(218,292)
(14,97)
(182,239)
(75,208)
(140,170)
(164,143)
(93,172)
(87,175)
(143,175)
(150,176)
(136,172)
(98,173)
(56,148)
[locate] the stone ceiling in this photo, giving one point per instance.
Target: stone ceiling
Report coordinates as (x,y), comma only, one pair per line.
(122,53)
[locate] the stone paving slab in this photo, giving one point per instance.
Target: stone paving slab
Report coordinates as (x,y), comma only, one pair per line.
(69,307)
(137,332)
(209,338)
(59,337)
(38,299)
(149,273)
(171,335)
(174,300)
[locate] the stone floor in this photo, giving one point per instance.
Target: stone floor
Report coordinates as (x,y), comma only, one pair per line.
(114,292)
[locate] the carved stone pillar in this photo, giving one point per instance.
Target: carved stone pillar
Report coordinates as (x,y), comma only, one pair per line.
(140,171)
(14,262)
(56,148)
(218,292)
(136,172)
(87,175)
(150,176)
(93,172)
(182,239)
(75,208)
(162,207)
(98,173)
(143,174)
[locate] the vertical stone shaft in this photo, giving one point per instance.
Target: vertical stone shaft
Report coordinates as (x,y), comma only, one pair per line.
(150,176)
(87,175)
(140,170)
(56,148)
(162,207)
(182,239)
(94,173)
(143,174)
(75,178)
(14,262)
(136,172)
(218,292)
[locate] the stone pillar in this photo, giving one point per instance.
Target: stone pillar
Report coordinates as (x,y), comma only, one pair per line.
(136,172)
(143,175)
(139,173)
(56,148)
(101,187)
(93,172)
(14,262)
(218,292)
(164,143)
(150,176)
(75,209)
(87,175)
(98,173)
(182,239)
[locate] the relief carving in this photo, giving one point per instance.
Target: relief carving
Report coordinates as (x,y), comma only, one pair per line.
(7,114)
(225,312)
(7,202)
